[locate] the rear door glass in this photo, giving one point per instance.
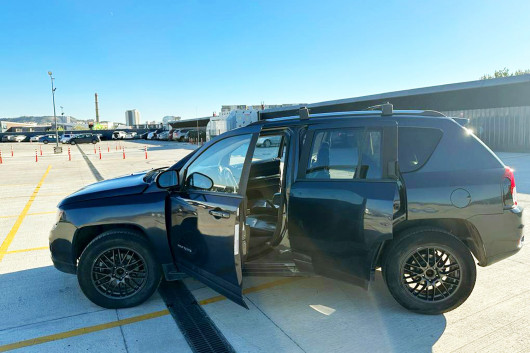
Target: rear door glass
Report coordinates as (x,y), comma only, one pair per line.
(415,146)
(335,154)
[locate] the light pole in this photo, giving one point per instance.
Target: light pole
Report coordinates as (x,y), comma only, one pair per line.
(56,149)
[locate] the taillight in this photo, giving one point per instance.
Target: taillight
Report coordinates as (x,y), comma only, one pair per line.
(509,193)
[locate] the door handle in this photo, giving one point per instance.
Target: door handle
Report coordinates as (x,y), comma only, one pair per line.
(220,214)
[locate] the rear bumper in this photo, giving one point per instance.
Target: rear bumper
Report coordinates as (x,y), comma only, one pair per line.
(501,234)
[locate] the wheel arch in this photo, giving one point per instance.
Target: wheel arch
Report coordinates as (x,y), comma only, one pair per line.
(85,235)
(461,228)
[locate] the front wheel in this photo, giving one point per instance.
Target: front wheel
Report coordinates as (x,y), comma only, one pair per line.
(118,270)
(429,271)
(94,141)
(72,142)
(45,142)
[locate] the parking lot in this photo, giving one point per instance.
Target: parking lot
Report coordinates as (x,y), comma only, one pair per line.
(45,311)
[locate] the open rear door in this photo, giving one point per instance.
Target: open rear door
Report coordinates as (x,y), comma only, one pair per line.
(341,204)
(205,221)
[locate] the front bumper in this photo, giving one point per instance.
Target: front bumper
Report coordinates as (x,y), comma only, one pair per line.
(61,250)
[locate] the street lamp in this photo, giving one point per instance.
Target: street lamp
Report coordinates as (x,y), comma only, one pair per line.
(56,149)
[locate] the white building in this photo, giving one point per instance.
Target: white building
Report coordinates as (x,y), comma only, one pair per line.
(132,117)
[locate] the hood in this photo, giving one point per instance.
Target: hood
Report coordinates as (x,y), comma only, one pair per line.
(126,185)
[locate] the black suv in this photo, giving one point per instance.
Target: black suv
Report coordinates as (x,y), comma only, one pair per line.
(343,194)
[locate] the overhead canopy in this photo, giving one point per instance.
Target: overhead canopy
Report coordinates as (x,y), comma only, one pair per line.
(494,93)
(189,123)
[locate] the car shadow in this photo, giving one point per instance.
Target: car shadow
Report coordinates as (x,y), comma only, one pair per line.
(324,315)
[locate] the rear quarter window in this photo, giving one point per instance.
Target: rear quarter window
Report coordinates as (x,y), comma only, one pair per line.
(415,146)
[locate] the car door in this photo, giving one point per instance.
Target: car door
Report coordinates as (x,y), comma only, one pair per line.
(206,214)
(340,207)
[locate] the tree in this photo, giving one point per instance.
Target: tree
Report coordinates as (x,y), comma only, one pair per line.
(504,73)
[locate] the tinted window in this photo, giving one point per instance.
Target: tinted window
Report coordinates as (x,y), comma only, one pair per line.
(222,163)
(415,146)
(267,147)
(345,154)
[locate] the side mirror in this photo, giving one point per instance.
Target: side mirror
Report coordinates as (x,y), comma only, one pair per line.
(199,181)
(168,179)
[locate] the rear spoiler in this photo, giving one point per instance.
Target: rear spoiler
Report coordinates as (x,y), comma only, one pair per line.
(461,121)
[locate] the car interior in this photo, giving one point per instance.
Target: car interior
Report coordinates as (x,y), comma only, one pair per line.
(264,196)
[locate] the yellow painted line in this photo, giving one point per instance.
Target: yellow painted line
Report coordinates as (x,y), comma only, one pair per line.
(41,195)
(26,250)
(131,320)
(11,235)
(31,214)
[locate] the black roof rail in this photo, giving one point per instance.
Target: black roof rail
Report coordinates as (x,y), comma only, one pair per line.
(432,113)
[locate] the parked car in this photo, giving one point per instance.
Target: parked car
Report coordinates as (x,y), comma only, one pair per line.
(35,138)
(269,141)
(153,134)
(181,135)
(8,138)
(144,135)
(21,138)
(84,138)
(349,195)
(118,135)
(130,136)
(65,138)
(164,135)
(45,139)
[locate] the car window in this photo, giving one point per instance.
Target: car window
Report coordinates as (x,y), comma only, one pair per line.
(415,146)
(222,163)
(345,154)
(267,147)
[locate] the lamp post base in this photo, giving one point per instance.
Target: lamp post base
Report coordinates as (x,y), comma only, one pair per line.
(57,149)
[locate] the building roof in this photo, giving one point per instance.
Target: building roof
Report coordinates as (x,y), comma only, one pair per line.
(511,91)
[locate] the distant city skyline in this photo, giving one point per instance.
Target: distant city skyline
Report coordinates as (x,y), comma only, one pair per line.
(187,62)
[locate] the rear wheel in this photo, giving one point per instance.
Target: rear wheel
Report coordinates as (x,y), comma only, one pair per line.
(45,142)
(94,141)
(118,270)
(72,142)
(429,271)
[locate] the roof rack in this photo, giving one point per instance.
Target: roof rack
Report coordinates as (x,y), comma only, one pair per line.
(385,108)
(304,113)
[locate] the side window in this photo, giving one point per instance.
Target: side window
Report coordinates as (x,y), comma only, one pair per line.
(415,146)
(345,154)
(220,166)
(267,147)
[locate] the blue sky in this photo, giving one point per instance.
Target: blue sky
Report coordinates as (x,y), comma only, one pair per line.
(188,58)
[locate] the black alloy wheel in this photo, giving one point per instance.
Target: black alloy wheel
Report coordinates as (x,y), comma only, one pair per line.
(119,272)
(431,274)
(118,269)
(429,270)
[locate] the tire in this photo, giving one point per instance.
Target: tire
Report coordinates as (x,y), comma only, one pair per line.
(72,142)
(138,283)
(94,142)
(45,142)
(433,288)
(267,143)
